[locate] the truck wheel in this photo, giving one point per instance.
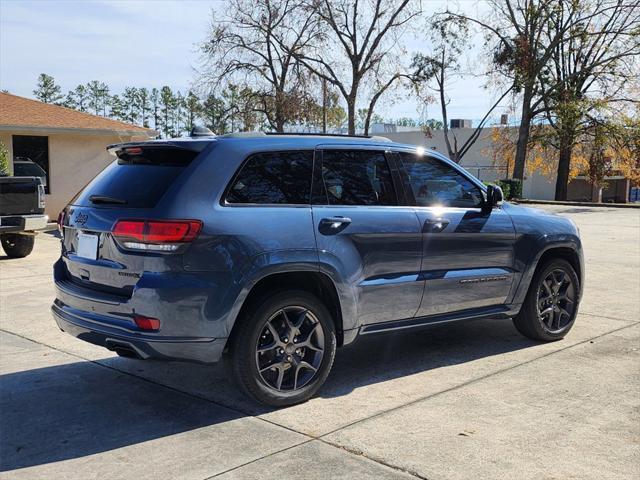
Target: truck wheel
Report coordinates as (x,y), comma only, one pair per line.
(551,305)
(284,348)
(17,245)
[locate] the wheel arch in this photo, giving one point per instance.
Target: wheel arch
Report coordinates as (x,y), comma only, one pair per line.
(315,282)
(569,251)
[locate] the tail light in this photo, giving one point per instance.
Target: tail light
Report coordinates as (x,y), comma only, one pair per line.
(41,193)
(155,235)
(61,222)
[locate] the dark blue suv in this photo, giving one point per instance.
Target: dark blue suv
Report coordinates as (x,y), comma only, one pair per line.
(273,250)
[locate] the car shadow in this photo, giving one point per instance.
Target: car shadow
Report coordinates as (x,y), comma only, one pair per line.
(78,409)
(380,358)
(74,410)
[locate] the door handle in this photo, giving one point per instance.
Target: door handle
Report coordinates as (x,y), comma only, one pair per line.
(333,225)
(335,222)
(435,225)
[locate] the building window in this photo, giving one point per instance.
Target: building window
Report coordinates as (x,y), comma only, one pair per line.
(31,148)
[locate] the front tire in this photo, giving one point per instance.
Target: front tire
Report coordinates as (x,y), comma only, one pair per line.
(551,305)
(284,348)
(17,245)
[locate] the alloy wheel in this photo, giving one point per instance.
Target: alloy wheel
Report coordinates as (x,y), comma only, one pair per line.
(290,348)
(556,300)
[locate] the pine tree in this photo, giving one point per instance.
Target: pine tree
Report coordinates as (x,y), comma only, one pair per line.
(154,100)
(131,104)
(167,102)
(118,110)
(47,91)
(81,97)
(192,106)
(98,97)
(77,99)
(178,113)
(215,114)
(143,103)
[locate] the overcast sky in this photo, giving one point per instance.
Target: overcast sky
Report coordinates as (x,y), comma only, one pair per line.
(147,43)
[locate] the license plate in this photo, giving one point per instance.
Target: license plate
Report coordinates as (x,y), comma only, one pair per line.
(87,246)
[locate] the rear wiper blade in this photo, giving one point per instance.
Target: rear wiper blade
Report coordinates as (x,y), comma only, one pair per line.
(106,199)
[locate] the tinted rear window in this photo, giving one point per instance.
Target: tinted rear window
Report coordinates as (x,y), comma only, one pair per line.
(136,181)
(27,170)
(274,178)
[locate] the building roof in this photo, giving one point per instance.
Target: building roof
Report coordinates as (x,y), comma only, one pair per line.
(24,114)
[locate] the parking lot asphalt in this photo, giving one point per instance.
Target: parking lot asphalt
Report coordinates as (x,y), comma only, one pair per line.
(473,400)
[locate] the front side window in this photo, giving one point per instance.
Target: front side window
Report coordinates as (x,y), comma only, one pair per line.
(274,178)
(434,183)
(357,177)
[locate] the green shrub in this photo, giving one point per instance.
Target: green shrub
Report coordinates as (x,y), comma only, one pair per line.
(511,187)
(4,160)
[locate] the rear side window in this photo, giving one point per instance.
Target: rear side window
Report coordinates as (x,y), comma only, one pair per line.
(274,178)
(357,177)
(136,180)
(434,183)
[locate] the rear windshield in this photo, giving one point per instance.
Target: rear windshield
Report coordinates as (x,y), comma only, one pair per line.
(27,170)
(136,181)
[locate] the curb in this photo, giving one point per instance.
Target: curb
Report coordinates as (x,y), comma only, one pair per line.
(579,204)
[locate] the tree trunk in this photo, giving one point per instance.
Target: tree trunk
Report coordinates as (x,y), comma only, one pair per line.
(523,136)
(324,105)
(521,149)
(351,116)
(279,113)
(564,163)
(596,192)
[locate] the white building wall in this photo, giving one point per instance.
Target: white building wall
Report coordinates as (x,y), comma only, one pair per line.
(478,159)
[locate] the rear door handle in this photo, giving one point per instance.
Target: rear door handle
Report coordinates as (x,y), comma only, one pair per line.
(435,225)
(333,225)
(335,222)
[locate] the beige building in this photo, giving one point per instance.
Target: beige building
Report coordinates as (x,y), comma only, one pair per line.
(70,146)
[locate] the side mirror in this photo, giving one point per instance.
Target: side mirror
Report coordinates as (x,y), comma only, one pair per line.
(495,197)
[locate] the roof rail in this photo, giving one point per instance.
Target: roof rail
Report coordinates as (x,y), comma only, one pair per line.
(319,134)
(302,134)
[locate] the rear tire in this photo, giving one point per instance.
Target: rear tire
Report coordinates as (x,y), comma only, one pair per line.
(283,349)
(551,305)
(17,245)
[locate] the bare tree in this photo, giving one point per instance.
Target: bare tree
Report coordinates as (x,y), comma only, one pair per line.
(591,71)
(255,44)
(516,34)
(436,69)
(366,35)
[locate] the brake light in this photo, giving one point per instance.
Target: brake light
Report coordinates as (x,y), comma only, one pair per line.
(133,150)
(156,235)
(146,323)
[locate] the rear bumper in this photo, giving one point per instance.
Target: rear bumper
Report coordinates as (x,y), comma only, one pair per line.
(96,329)
(23,223)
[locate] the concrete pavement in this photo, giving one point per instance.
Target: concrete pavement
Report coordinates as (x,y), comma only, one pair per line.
(469,400)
